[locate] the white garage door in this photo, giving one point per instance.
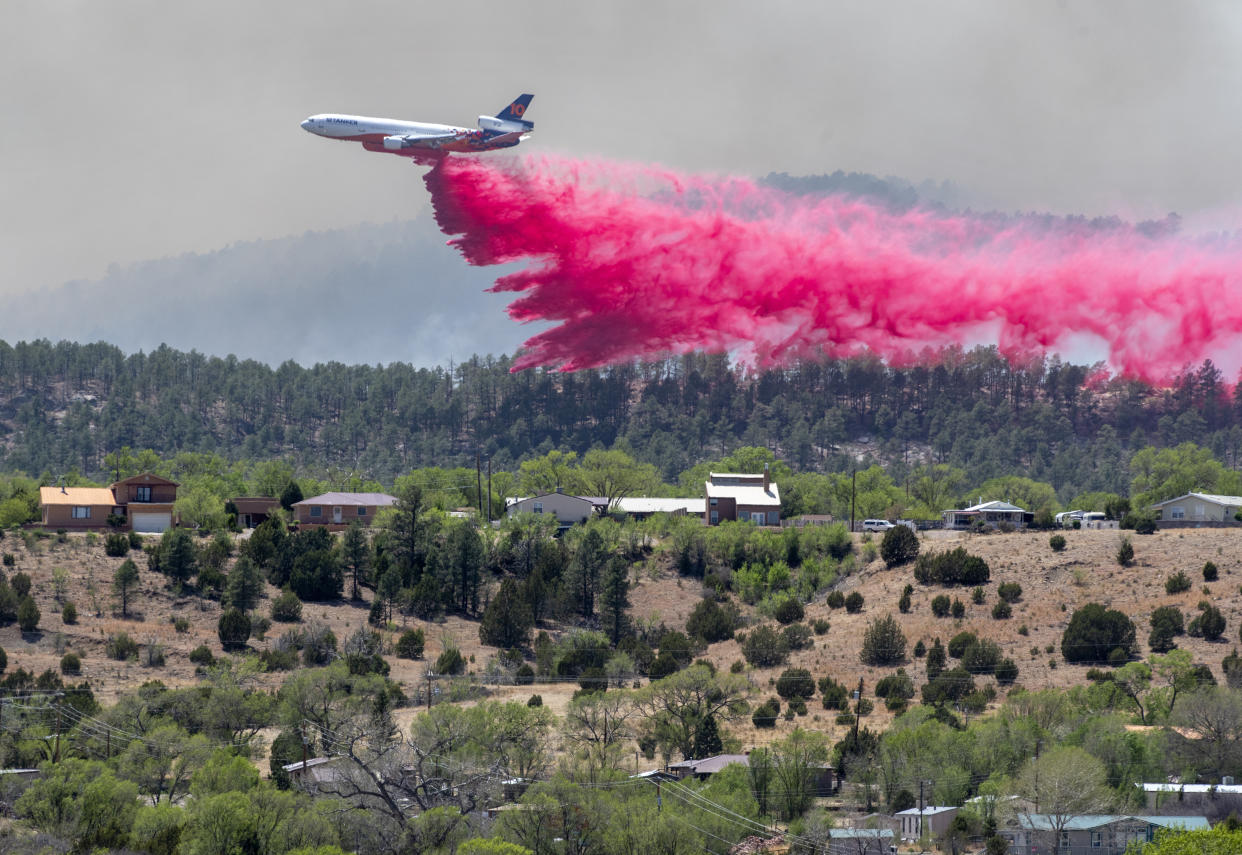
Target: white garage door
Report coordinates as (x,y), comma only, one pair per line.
(150,523)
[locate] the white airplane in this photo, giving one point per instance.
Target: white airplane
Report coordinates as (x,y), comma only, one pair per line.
(426,143)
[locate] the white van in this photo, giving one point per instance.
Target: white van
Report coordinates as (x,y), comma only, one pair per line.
(877,525)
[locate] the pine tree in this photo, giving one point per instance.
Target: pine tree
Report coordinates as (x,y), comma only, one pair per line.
(356,554)
(707,742)
(584,571)
(123,582)
(464,557)
(937,658)
(507,621)
(245,585)
(615,599)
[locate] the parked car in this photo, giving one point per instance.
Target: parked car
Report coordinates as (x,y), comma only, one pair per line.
(877,525)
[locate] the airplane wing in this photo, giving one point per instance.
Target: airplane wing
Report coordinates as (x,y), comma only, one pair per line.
(422,138)
(513,137)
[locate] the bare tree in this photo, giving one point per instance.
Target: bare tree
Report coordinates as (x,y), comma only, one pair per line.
(1215,716)
(1058,787)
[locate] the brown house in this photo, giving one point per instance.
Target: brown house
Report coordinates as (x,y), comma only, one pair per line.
(338,510)
(77,508)
(253,510)
(143,502)
(146,501)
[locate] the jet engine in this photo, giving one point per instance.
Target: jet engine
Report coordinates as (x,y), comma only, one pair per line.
(396,143)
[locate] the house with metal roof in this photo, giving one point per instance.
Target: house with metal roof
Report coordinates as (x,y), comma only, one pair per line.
(337,510)
(567,509)
(991,514)
(860,841)
(742,496)
(1107,834)
(931,820)
(1198,507)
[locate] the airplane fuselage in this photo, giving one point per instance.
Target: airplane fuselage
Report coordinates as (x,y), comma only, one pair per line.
(422,139)
(371,132)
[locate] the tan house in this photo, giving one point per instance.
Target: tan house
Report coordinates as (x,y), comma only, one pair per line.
(990,514)
(740,496)
(1198,507)
(567,509)
(338,510)
(932,820)
(77,508)
(144,503)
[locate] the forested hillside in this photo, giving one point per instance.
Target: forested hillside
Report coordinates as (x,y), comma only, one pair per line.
(65,406)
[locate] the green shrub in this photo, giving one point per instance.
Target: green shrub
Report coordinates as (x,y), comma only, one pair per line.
(883,642)
(69,613)
(1094,633)
(1010,592)
(940,605)
(920,649)
(233,629)
(121,647)
(1210,573)
(535,701)
(71,664)
(899,546)
(410,644)
(958,609)
(836,599)
(202,655)
(181,625)
(788,610)
(820,626)
(1177,583)
(854,603)
(28,615)
(20,583)
(1057,542)
(795,683)
(955,567)
(766,713)
(287,608)
(897,685)
(1166,624)
(450,662)
(834,695)
(764,647)
(959,643)
(1001,610)
(135,540)
(116,545)
(976,596)
(798,636)
(9,559)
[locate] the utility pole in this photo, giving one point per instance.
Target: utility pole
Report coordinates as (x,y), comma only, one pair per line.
(305,750)
(56,751)
(853,487)
(428,688)
(489,489)
(478,477)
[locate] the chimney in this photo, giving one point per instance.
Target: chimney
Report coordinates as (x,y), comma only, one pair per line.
(767,481)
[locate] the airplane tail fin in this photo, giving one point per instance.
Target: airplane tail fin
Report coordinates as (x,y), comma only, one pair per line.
(515,111)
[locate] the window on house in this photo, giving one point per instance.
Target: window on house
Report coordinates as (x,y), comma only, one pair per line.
(362,512)
(1097,839)
(1065,841)
(715,517)
(142,494)
(1177,513)
(316,511)
(714,502)
(538,507)
(81,512)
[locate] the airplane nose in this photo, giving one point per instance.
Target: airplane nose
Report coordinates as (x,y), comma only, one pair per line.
(306,125)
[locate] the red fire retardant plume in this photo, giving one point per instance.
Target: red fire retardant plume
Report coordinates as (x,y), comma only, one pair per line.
(635,261)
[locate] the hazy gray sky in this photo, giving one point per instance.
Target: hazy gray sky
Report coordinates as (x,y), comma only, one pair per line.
(135,130)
